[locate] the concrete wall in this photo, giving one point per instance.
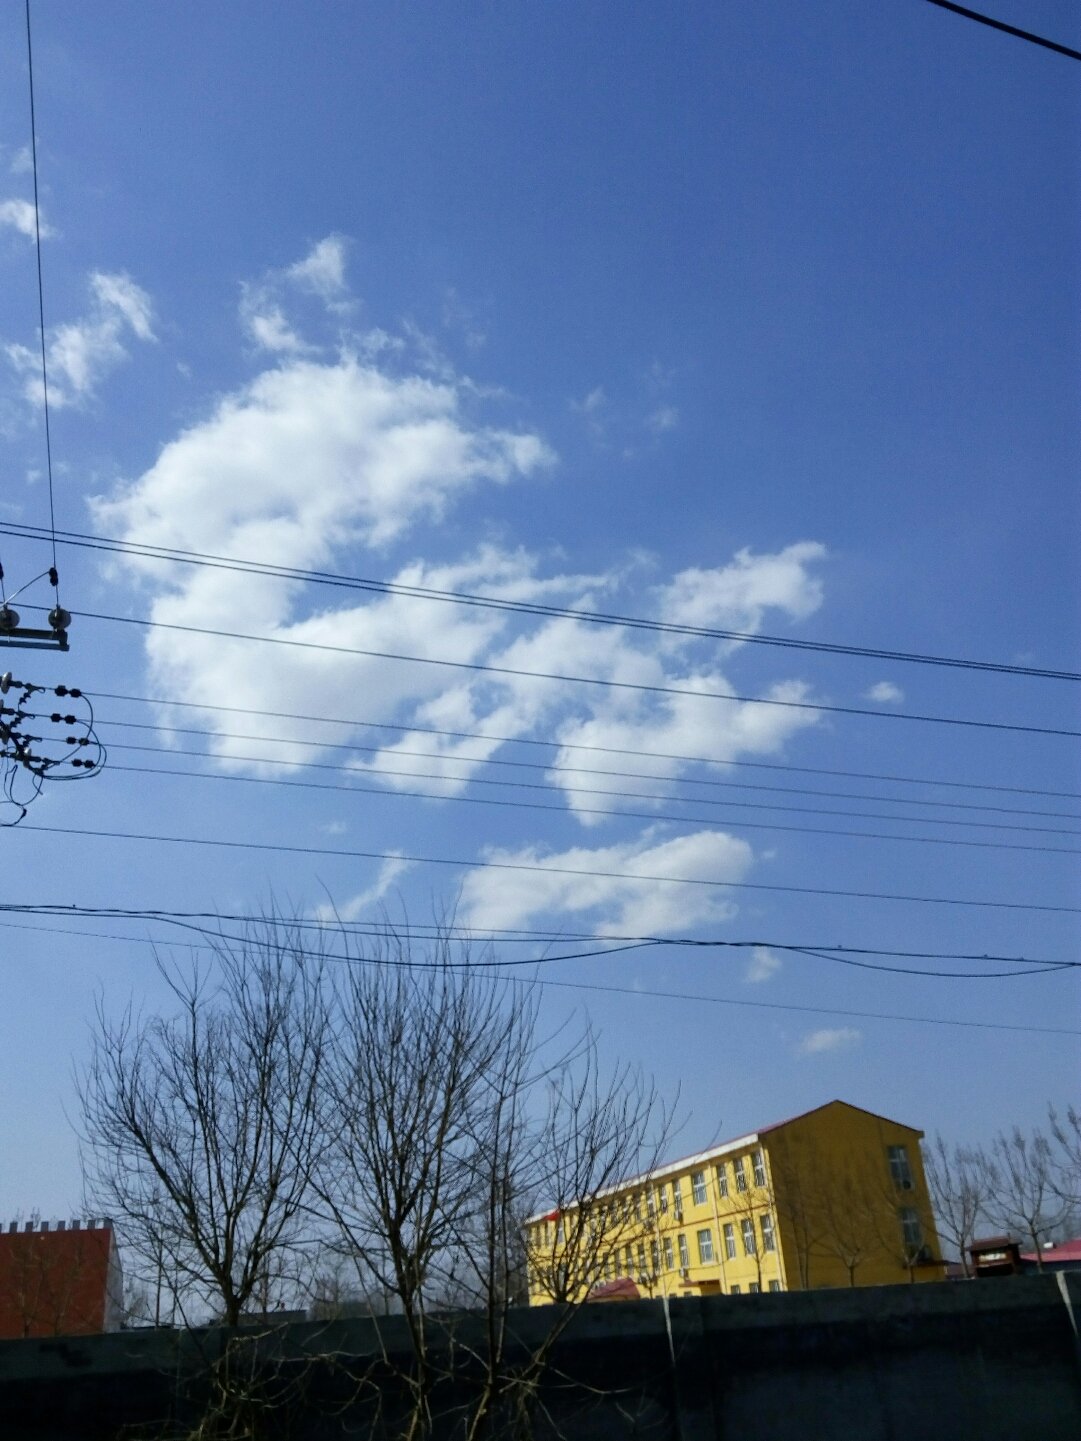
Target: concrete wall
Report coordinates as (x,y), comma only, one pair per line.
(983,1361)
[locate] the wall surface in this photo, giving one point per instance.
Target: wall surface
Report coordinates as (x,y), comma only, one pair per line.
(982,1361)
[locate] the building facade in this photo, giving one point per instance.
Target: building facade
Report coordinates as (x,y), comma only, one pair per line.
(62,1279)
(834,1197)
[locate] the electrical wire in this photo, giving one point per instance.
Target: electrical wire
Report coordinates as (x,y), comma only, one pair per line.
(362,771)
(636,687)
(179,555)
(1028,35)
(564,746)
(737,822)
(191,920)
(41,307)
(525,867)
(683,996)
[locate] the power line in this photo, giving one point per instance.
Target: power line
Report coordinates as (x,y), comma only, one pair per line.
(178,555)
(566,746)
(738,822)
(694,997)
(671,798)
(191,919)
(522,866)
(637,687)
(1008,29)
(41,300)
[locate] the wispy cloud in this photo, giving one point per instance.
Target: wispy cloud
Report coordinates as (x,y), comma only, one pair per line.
(322,270)
(19,215)
(885,693)
(390,872)
(815,1043)
(633,906)
(763,965)
(82,353)
(665,417)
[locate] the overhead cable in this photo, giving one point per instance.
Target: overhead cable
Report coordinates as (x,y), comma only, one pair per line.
(178,555)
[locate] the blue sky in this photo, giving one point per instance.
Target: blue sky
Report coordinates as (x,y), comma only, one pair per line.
(759,317)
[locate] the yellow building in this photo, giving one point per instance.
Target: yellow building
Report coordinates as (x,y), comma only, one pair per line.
(835,1197)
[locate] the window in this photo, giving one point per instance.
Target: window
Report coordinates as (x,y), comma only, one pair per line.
(775,1285)
(662,1197)
(733,1290)
(608,1273)
(698,1188)
(559,1232)
(759,1164)
(677,1194)
(769,1240)
(900,1170)
(628,1261)
(617,1267)
(651,1201)
(655,1258)
(753,1289)
(669,1254)
(705,1246)
(910,1225)
(684,1253)
(730,1240)
(641,1257)
(637,1205)
(626,1208)
(741,1177)
(747,1227)
(722,1179)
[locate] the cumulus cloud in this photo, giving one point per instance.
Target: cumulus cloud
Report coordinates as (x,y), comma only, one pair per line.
(763,965)
(634,903)
(737,595)
(81,353)
(885,693)
(19,215)
(827,1039)
(340,462)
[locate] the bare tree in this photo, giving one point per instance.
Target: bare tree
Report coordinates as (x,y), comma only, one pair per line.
(201,1130)
(1065,1141)
(963,1181)
(1026,1199)
(457,1117)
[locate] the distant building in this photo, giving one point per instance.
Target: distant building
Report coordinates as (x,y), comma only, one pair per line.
(59,1280)
(1065,1256)
(834,1197)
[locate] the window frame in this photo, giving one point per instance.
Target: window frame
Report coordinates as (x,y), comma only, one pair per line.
(704,1238)
(698,1187)
(731,1249)
(750,1240)
(741,1174)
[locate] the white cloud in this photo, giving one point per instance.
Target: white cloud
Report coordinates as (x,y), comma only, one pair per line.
(736,596)
(640,907)
(816,1042)
(22,162)
(665,417)
(763,965)
(119,295)
(885,693)
(390,872)
(265,322)
(323,269)
(19,215)
(81,353)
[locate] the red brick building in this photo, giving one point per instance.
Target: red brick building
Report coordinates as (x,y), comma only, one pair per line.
(62,1279)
